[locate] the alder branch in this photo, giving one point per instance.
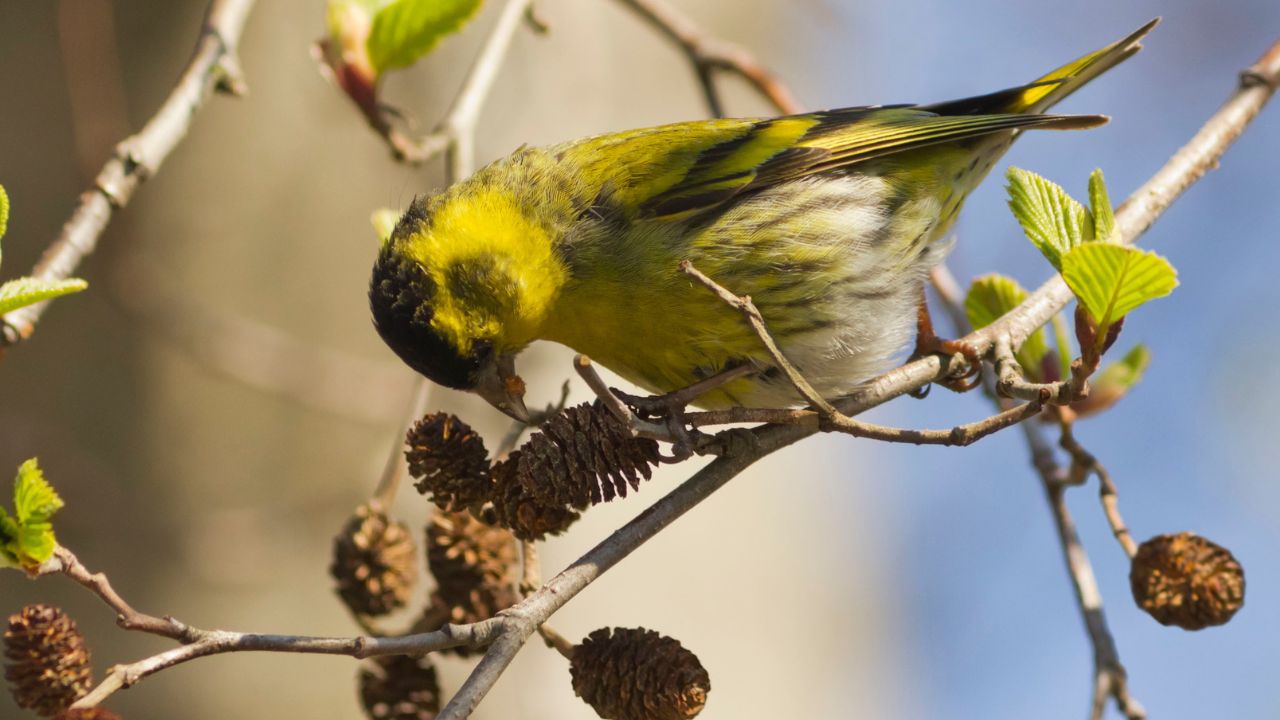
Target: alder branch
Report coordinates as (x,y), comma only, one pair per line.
(455,134)
(197,642)
(708,55)
(214,66)
(1110,678)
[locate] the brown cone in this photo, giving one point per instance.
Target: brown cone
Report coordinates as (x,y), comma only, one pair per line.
(474,565)
(581,457)
(637,674)
(399,687)
(516,508)
(48,663)
(93,713)
(1186,580)
(449,461)
(475,569)
(374,562)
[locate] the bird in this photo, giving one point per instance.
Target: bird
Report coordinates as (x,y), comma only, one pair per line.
(829,221)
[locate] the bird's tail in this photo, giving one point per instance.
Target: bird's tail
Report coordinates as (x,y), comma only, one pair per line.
(1041,94)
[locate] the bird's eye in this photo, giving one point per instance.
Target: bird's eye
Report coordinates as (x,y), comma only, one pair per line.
(481,352)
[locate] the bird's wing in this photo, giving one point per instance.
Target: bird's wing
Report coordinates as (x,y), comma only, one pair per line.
(676,171)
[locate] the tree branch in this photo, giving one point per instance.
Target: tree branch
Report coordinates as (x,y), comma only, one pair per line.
(214,66)
(456,132)
(708,55)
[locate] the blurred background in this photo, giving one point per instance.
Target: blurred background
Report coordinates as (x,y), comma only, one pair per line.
(217,403)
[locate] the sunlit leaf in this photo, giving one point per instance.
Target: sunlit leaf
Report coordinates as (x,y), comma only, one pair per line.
(989,298)
(1052,220)
(4,211)
(34,499)
(1111,280)
(405,30)
(1104,218)
(384,223)
(1114,381)
(28,291)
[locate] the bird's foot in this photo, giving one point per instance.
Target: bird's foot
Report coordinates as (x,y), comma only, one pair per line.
(928,343)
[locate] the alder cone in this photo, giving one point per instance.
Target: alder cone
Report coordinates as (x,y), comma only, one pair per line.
(638,674)
(92,713)
(449,461)
(399,687)
(375,563)
(581,457)
(47,661)
(474,565)
(1187,581)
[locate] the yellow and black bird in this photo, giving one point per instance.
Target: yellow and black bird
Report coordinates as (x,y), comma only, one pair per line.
(830,221)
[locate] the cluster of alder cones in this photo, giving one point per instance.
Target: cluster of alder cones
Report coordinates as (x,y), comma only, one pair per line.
(580,457)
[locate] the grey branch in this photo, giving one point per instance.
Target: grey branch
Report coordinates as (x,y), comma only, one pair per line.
(214,66)
(708,55)
(454,135)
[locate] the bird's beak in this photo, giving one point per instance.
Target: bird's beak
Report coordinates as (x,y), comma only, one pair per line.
(502,388)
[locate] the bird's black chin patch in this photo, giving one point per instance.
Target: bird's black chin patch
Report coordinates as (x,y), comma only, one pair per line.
(400,296)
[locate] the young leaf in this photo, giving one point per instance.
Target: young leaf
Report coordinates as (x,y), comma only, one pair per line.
(384,223)
(1104,218)
(10,531)
(405,30)
(36,544)
(4,211)
(28,291)
(1111,280)
(1052,220)
(990,297)
(1116,379)
(34,499)
(26,537)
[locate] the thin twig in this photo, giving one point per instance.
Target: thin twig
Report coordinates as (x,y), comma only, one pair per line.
(214,66)
(958,436)
(556,641)
(743,304)
(1110,676)
(393,471)
(455,135)
(197,642)
(709,55)
(1084,463)
(1011,383)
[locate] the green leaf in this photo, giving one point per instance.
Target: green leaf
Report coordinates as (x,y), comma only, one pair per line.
(1125,372)
(405,30)
(28,534)
(9,534)
(1104,218)
(4,211)
(36,544)
(384,223)
(28,291)
(989,298)
(34,499)
(1111,280)
(1052,220)
(1114,382)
